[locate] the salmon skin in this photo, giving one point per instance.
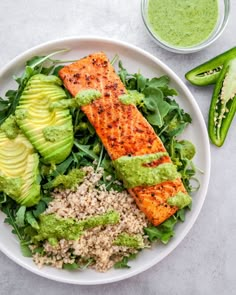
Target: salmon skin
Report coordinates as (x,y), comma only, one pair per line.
(122,129)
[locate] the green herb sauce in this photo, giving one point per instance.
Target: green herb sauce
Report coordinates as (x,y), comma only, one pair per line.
(10,127)
(131,241)
(183,23)
(85,97)
(71,180)
(131,97)
(11,186)
(55,133)
(54,228)
(63,104)
(135,171)
(82,98)
(21,114)
(180,200)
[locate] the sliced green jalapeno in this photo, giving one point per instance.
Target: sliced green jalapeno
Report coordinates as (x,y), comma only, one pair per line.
(223,103)
(208,72)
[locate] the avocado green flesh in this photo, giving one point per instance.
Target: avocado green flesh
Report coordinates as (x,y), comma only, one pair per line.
(19,170)
(61,153)
(134,170)
(33,115)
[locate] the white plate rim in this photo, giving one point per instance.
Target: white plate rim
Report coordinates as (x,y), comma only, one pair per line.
(28,54)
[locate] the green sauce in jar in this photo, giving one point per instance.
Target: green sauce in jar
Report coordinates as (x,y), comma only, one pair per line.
(182,23)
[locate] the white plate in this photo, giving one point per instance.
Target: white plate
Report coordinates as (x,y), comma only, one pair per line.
(134,59)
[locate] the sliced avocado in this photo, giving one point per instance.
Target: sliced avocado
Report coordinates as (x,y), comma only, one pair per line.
(19,173)
(49,130)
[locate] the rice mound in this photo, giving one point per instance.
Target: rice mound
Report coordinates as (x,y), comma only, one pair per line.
(91,199)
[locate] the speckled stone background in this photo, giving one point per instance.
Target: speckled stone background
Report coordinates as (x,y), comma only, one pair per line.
(205,261)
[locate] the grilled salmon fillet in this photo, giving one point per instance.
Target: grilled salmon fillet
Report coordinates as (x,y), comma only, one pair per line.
(122,129)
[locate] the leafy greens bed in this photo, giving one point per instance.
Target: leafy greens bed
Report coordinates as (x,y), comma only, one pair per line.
(157,106)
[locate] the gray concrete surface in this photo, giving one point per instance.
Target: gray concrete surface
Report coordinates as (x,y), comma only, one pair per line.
(204,263)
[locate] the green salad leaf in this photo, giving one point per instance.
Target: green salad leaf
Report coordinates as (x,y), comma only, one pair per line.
(20,216)
(155,105)
(40,208)
(71,266)
(162,232)
(80,265)
(165,231)
(123,263)
(3,198)
(25,250)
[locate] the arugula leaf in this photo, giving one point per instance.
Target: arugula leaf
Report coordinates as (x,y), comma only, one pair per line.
(165,231)
(3,105)
(180,214)
(114,59)
(25,250)
(3,198)
(162,232)
(123,263)
(86,150)
(15,217)
(107,165)
(39,250)
(40,208)
(71,266)
(152,97)
(63,167)
(20,216)
(153,233)
(123,73)
(37,60)
(85,262)
(162,81)
(46,199)
(141,82)
(155,103)
(56,70)
(100,159)
(10,209)
(31,220)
